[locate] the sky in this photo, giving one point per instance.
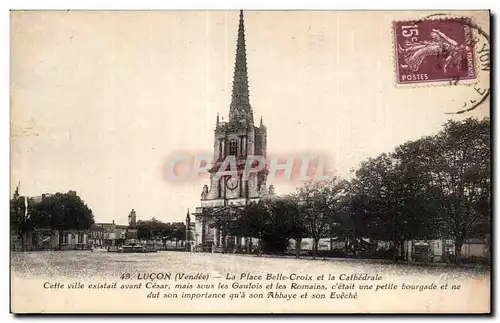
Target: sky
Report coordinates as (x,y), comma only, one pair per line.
(100,100)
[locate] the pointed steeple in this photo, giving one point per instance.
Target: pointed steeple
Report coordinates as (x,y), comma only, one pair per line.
(240,100)
(262,126)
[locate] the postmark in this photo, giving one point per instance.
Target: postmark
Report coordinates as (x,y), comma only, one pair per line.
(434,51)
(466,50)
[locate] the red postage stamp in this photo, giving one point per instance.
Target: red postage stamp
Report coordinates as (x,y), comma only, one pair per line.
(434,50)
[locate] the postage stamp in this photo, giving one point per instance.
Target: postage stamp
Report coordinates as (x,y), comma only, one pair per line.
(434,50)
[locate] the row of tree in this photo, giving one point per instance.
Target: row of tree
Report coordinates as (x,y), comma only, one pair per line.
(60,211)
(157,230)
(67,211)
(437,187)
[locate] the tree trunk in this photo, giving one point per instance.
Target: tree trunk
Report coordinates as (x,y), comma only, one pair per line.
(315,247)
(402,246)
(458,249)
(61,232)
(22,241)
(395,252)
(298,242)
(443,251)
(347,247)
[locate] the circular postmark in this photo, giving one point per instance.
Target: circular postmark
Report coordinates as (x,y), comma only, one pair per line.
(479,41)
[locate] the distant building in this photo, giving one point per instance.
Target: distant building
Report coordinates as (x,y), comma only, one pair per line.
(106,233)
(111,234)
(444,250)
(75,239)
(97,235)
(40,198)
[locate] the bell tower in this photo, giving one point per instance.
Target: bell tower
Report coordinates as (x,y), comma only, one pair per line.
(234,141)
(238,138)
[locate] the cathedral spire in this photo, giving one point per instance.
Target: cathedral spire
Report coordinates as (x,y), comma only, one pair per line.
(240,102)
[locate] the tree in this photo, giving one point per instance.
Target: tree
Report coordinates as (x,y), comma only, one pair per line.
(21,222)
(435,187)
(41,214)
(352,222)
(155,229)
(144,230)
(336,192)
(419,199)
(274,221)
(67,211)
(166,233)
(77,214)
(378,189)
(298,230)
(281,224)
(251,222)
(313,204)
(178,232)
(461,178)
(61,211)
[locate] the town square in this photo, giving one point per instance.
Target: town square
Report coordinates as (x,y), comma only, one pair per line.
(175,183)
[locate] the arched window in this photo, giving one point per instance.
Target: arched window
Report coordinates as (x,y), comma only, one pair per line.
(241,186)
(233,147)
(221,156)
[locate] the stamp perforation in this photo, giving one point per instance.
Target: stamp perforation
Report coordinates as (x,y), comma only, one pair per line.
(469,82)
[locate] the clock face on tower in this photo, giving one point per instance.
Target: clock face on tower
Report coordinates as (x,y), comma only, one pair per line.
(232,183)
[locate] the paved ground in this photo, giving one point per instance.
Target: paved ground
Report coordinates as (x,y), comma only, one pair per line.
(103,264)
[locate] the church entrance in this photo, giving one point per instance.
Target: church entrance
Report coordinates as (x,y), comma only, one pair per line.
(218,233)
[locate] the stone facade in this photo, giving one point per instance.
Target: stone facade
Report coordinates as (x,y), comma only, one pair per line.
(49,239)
(111,234)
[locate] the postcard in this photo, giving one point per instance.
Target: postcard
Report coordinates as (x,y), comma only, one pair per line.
(250,162)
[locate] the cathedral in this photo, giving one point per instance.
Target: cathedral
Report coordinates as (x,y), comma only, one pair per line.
(222,200)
